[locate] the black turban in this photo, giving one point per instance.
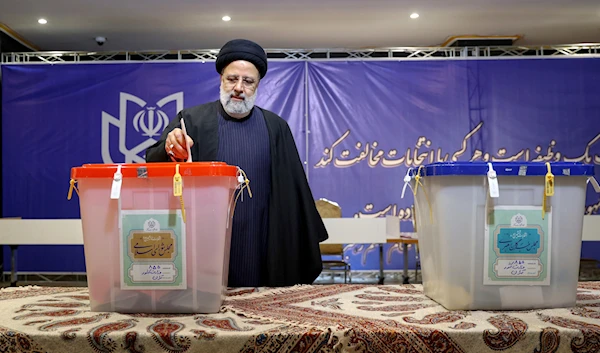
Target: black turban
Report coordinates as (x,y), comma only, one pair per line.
(242,49)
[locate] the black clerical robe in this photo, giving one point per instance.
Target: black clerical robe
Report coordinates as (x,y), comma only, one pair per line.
(295,226)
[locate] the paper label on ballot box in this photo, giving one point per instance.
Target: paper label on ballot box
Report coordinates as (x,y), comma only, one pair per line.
(517,246)
(152,250)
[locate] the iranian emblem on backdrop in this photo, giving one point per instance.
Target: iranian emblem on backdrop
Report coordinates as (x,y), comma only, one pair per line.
(137,126)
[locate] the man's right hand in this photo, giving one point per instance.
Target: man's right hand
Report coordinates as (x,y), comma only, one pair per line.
(175,144)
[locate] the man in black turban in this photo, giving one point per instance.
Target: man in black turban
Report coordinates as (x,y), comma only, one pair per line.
(276,233)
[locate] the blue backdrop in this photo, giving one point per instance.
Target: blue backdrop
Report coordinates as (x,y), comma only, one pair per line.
(368,121)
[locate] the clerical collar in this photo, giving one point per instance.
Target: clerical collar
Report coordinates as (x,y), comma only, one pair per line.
(228,117)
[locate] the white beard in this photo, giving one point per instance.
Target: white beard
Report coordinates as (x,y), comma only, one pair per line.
(235,107)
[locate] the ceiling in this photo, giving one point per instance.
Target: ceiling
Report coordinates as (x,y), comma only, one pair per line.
(300,24)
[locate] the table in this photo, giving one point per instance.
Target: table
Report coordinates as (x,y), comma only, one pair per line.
(15,232)
(307,319)
(405,242)
(363,231)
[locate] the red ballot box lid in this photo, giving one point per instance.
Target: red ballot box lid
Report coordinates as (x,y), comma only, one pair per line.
(154,170)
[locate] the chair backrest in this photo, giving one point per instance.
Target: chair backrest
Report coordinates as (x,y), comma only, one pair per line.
(328,209)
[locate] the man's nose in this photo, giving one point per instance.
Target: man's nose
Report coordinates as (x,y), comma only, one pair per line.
(238,86)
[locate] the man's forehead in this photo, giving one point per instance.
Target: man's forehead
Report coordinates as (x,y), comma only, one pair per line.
(241,67)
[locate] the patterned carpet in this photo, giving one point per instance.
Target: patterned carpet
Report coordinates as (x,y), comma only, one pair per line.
(303,319)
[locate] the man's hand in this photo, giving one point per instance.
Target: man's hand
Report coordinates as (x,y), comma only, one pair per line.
(175,144)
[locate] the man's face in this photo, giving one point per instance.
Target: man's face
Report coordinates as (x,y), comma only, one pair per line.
(239,83)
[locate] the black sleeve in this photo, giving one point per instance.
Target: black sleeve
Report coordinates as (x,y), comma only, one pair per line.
(156,152)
